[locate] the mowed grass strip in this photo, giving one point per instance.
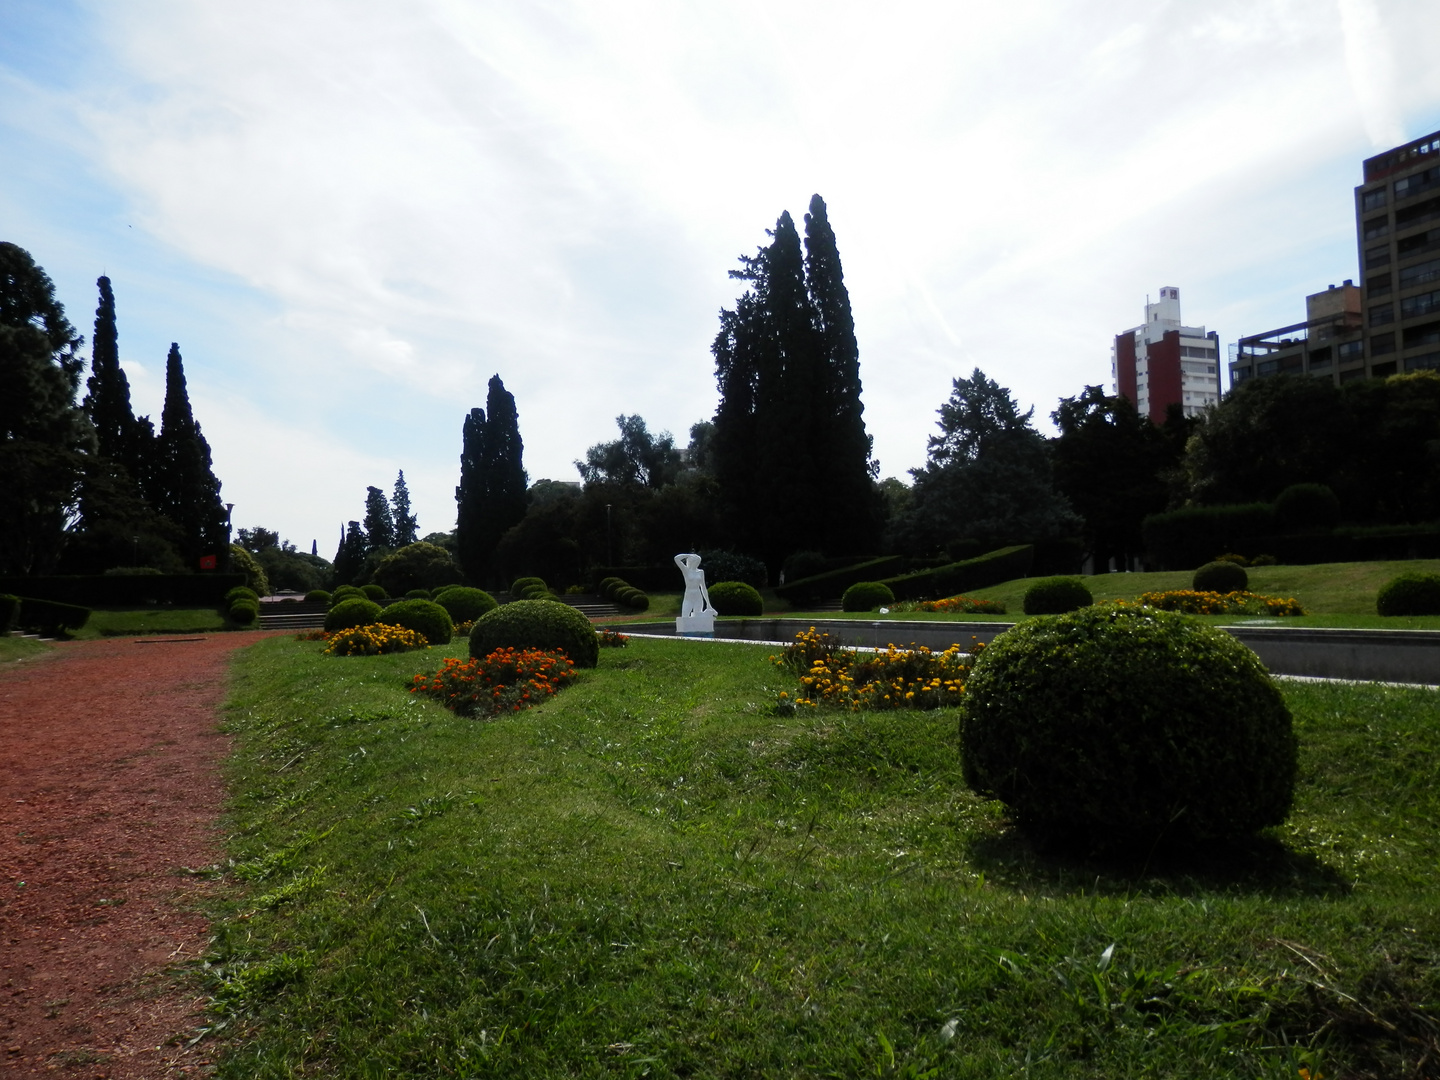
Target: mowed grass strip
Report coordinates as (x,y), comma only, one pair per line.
(655,874)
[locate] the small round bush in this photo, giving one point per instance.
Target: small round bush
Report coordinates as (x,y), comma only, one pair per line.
(1221,577)
(535,592)
(348,614)
(346,592)
(1115,728)
(602,587)
(639,602)
(240,592)
(1056,596)
(615,588)
(374,592)
(244,612)
(736,598)
(1307,506)
(866,596)
(418,594)
(423,616)
(317,596)
(466,604)
(1410,594)
(536,624)
(520,584)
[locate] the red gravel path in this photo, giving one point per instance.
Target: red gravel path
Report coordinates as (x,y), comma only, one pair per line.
(109,789)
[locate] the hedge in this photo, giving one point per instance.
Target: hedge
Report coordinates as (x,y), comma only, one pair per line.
(832,584)
(126,590)
(51,617)
(1002,564)
(1188,538)
(9,612)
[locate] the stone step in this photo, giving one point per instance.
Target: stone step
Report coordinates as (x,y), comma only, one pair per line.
(303,620)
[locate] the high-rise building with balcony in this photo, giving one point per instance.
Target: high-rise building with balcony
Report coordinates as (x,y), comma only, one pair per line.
(1328,343)
(1163,363)
(1397,219)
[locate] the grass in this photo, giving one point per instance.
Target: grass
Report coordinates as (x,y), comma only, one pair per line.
(122,622)
(654,874)
(19,648)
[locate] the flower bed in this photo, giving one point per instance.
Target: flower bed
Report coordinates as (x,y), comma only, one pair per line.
(953,605)
(892,678)
(611,639)
(506,680)
(1191,602)
(374,639)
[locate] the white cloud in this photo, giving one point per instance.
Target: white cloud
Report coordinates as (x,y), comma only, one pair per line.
(368,209)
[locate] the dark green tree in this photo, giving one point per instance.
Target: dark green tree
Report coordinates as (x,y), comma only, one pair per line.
(1111,464)
(491,496)
(349,562)
(379,522)
(187,491)
(636,459)
(405,524)
(120,436)
(988,477)
(45,438)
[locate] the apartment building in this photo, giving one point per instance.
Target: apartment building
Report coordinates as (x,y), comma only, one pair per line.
(1163,362)
(1328,343)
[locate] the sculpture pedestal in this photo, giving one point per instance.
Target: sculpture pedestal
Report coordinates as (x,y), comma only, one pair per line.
(701,624)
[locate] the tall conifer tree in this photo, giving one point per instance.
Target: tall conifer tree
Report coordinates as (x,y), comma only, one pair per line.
(405,524)
(189,493)
(491,496)
(379,520)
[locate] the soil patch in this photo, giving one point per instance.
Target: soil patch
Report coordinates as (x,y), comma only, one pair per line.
(110,790)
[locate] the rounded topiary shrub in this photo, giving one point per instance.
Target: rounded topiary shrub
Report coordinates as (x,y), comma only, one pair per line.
(350,613)
(346,592)
(375,592)
(639,602)
(423,616)
(244,612)
(418,594)
(240,592)
(603,586)
(535,592)
(1307,506)
(520,584)
(1114,728)
(613,590)
(465,604)
(1056,596)
(536,624)
(317,596)
(736,598)
(1220,576)
(1410,594)
(866,596)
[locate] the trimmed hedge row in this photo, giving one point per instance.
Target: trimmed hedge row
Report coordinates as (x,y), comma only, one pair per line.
(50,616)
(125,590)
(832,584)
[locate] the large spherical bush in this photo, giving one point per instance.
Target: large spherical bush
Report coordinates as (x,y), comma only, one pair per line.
(240,592)
(346,592)
(348,614)
(1307,506)
(317,596)
(244,612)
(1056,596)
(466,604)
(866,596)
(1114,728)
(418,594)
(375,592)
(1222,577)
(423,616)
(536,624)
(520,584)
(736,598)
(1410,594)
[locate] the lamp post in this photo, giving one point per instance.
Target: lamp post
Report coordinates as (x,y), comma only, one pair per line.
(609,540)
(229,559)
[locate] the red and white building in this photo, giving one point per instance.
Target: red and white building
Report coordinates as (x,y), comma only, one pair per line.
(1163,363)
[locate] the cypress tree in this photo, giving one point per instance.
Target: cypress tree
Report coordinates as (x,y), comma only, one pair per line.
(189,493)
(122,438)
(405,524)
(350,557)
(379,522)
(491,497)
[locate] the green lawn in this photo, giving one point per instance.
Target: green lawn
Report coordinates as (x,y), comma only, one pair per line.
(19,648)
(655,874)
(122,622)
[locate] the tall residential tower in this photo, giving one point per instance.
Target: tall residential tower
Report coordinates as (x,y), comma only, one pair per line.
(1164,363)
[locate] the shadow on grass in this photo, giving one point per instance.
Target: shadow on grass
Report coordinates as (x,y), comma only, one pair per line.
(1258,864)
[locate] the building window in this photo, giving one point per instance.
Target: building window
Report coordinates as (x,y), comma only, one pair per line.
(1381,314)
(1414,185)
(1378,285)
(1372,200)
(1375,228)
(1420,273)
(1379,256)
(1413,215)
(1267,367)
(1381,371)
(1380,344)
(1424,362)
(1424,334)
(1350,376)
(1321,357)
(1351,350)
(1418,244)
(1423,304)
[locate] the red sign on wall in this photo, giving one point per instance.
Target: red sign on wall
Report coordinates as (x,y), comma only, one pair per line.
(207,562)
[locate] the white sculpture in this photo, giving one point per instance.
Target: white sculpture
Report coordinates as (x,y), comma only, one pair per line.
(696,614)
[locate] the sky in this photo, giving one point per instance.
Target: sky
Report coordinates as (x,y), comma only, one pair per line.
(351,214)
